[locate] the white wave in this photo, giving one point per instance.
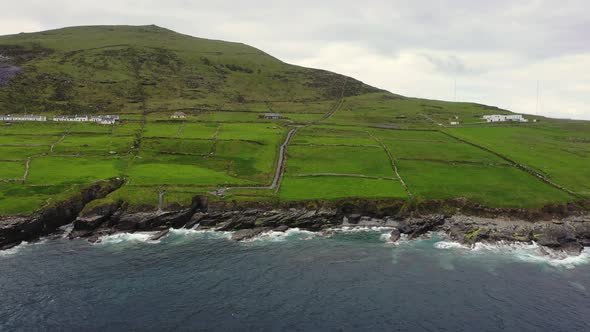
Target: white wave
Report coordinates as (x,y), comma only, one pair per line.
(554,258)
(208,233)
(17,249)
(449,245)
(357,229)
(403,239)
(290,234)
(524,252)
(138,237)
(14,250)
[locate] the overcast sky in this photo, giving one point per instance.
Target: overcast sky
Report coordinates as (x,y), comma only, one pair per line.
(495,50)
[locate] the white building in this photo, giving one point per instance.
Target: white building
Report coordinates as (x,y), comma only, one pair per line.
(178,115)
(100,119)
(272,116)
(454,123)
(105,119)
(22,118)
(505,118)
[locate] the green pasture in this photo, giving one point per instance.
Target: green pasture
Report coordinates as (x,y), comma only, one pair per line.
(12,169)
(253,161)
(333,140)
(561,155)
(440,151)
(371,161)
(33,127)
(198,130)
(100,145)
(27,140)
(177,145)
(328,188)
(51,170)
(21,153)
(162,129)
(22,199)
(174,170)
(500,186)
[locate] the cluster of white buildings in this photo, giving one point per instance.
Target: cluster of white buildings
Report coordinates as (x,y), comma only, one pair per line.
(100,119)
(22,118)
(505,118)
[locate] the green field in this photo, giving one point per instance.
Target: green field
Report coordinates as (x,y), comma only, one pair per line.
(348,139)
(329,188)
(490,185)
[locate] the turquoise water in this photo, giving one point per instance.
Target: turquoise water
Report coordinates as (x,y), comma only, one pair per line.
(298,281)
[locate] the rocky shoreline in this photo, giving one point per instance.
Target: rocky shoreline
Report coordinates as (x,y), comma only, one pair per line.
(559,227)
(570,234)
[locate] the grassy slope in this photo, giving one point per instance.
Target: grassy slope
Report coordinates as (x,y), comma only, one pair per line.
(146,73)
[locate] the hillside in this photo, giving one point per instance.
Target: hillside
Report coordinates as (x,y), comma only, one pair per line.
(110,69)
(338,138)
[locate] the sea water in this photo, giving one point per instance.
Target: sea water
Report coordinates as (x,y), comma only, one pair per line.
(350,279)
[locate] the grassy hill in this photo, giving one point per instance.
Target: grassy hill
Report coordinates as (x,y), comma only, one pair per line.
(343,138)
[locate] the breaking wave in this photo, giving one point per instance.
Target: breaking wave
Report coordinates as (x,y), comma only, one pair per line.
(137,237)
(200,233)
(19,248)
(523,252)
(290,234)
(357,229)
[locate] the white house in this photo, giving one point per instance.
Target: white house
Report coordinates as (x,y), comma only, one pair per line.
(454,123)
(178,115)
(272,116)
(25,117)
(505,118)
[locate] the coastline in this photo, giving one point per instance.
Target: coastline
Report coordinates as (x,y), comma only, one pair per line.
(564,228)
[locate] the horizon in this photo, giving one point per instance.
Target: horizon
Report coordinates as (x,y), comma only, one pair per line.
(403,48)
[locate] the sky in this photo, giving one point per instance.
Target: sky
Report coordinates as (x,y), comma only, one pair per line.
(494,52)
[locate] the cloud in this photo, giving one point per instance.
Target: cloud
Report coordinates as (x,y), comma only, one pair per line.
(495,50)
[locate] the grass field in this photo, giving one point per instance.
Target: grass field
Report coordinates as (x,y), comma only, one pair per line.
(370,161)
(560,154)
(328,188)
(345,132)
(490,185)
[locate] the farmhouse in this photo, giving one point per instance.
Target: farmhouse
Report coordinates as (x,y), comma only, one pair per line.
(22,117)
(178,115)
(454,123)
(272,116)
(505,118)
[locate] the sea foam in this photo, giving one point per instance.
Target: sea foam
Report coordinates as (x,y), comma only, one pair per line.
(523,252)
(201,233)
(290,234)
(19,248)
(138,237)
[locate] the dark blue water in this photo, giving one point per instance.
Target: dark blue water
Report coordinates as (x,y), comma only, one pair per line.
(297,282)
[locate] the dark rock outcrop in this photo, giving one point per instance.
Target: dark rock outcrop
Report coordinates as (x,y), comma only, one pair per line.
(14,230)
(569,234)
(245,234)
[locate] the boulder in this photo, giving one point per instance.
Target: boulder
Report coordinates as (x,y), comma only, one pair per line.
(245,234)
(395,235)
(159,235)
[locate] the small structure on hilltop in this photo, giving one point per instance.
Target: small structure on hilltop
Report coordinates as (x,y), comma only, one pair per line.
(26,117)
(178,115)
(505,118)
(454,123)
(274,116)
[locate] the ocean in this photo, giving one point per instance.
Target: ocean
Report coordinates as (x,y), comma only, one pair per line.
(351,280)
